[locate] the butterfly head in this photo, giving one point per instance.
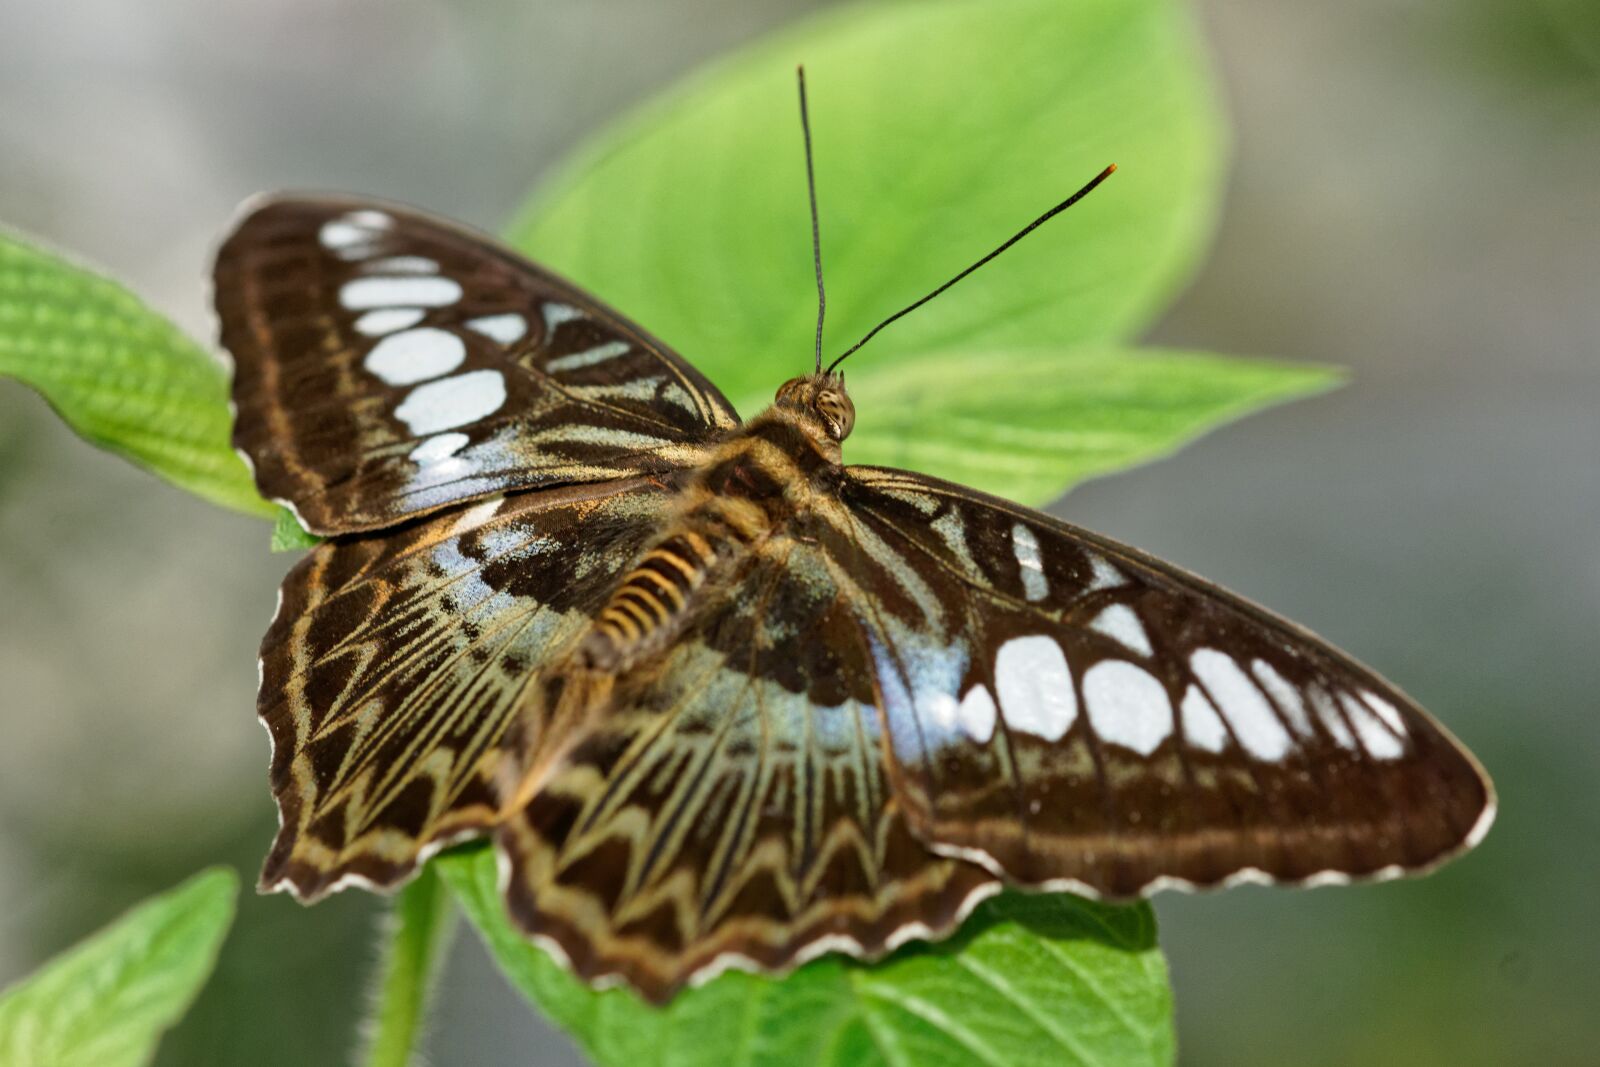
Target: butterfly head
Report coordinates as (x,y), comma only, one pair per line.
(822,397)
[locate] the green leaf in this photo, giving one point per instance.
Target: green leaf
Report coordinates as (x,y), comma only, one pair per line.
(120,375)
(288,535)
(1023,424)
(107,1001)
(940,128)
(1030,979)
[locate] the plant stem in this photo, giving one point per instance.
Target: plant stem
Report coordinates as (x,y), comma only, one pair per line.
(416,935)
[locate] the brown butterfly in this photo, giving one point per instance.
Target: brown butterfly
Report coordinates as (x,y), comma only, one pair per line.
(718,698)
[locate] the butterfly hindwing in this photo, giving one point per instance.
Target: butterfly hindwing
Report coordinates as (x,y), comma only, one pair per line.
(1075,714)
(388,364)
(396,662)
(730,805)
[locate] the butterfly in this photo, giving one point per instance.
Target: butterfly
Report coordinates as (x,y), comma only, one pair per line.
(718,698)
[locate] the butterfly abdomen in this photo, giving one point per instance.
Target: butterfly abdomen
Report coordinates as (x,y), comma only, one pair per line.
(651,598)
(754,484)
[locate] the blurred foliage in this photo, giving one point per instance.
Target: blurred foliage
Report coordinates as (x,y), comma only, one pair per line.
(107,1001)
(1539,44)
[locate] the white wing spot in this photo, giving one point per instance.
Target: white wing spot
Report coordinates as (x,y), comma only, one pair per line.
(588,358)
(1386,711)
(388,320)
(352,229)
(421,291)
(1375,738)
(976,714)
(1103,575)
(1201,724)
(643,389)
(438,448)
(1332,721)
(370,219)
(454,401)
(402,265)
(953,531)
(1254,722)
(339,234)
(1127,706)
(1121,624)
(555,314)
(415,355)
(675,394)
(1025,546)
(940,707)
(918,501)
(507,329)
(1035,687)
(476,515)
(1284,693)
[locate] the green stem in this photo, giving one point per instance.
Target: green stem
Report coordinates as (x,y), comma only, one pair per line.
(416,935)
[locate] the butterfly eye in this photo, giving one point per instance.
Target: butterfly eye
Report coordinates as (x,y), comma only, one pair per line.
(837,412)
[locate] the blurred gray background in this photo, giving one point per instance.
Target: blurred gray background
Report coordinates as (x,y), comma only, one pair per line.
(1415,196)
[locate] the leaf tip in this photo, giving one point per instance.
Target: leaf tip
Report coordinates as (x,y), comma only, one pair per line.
(288,535)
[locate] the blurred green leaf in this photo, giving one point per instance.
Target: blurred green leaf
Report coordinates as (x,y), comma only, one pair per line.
(106,1001)
(1026,423)
(1030,979)
(940,128)
(1577,22)
(121,375)
(288,535)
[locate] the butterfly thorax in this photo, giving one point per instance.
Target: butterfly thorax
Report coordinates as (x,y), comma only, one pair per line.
(751,495)
(756,485)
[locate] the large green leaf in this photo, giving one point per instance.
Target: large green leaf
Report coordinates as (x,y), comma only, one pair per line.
(107,1001)
(941,126)
(1029,980)
(121,375)
(1027,423)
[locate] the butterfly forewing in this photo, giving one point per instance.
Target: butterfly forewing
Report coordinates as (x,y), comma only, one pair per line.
(388,364)
(396,661)
(1076,714)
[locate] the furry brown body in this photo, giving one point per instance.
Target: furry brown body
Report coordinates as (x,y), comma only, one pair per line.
(759,487)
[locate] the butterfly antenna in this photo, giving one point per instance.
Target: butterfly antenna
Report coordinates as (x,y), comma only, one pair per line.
(1019,235)
(816,231)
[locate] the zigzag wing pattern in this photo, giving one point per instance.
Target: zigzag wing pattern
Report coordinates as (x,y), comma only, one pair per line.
(731,805)
(395,665)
